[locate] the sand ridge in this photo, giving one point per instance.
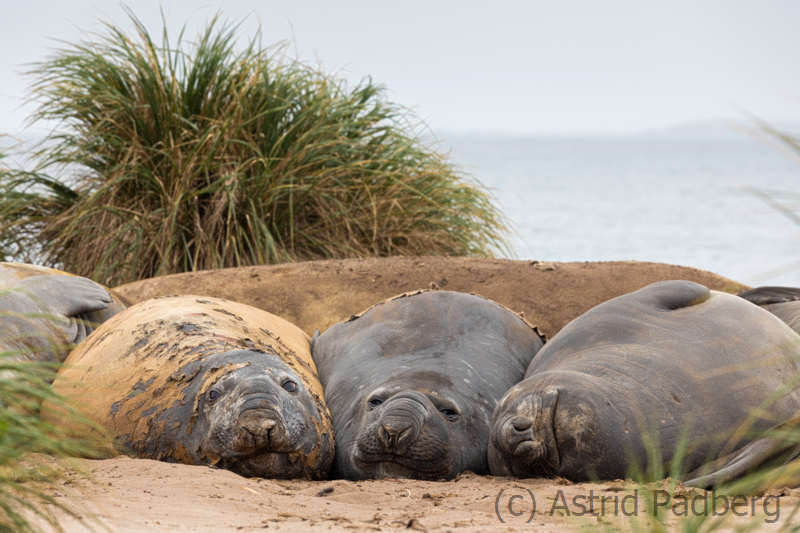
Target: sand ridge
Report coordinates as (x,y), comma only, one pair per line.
(318,294)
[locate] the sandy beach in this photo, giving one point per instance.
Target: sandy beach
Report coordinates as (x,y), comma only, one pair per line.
(130,495)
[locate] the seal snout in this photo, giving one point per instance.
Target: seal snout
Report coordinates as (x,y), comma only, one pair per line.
(403,437)
(521,423)
(396,436)
(258,429)
(517,436)
(259,424)
(401,419)
(522,441)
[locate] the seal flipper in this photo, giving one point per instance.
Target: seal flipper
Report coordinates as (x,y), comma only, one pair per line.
(67,298)
(671,295)
(776,448)
(770,295)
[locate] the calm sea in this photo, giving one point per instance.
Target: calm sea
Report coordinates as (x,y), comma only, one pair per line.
(675,197)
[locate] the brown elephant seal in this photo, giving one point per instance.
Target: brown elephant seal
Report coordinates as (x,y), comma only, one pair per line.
(670,372)
(45,312)
(412,383)
(203,381)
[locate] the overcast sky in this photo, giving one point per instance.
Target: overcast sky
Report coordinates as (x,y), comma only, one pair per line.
(502,67)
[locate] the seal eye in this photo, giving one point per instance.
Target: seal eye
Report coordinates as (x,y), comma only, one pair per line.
(213,395)
(290,386)
(449,414)
(375,402)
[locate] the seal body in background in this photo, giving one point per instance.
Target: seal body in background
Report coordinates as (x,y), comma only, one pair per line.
(44,312)
(412,383)
(783,302)
(670,372)
(202,381)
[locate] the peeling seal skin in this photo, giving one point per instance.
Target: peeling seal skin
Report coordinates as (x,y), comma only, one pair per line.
(413,381)
(672,371)
(202,381)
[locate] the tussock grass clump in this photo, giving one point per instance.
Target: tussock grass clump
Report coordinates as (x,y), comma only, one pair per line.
(27,477)
(197,155)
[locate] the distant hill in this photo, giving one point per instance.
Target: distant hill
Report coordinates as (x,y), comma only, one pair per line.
(709,129)
(718,128)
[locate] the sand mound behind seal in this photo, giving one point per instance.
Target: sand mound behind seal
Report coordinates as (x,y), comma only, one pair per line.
(318,294)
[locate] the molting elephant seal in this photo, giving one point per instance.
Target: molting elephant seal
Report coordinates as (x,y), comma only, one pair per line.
(412,383)
(203,381)
(670,366)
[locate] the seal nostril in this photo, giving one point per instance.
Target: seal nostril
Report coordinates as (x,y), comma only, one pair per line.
(395,439)
(383,438)
(404,441)
(522,424)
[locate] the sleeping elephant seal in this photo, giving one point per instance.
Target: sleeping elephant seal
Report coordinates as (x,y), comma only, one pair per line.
(44,312)
(783,302)
(203,381)
(670,366)
(412,383)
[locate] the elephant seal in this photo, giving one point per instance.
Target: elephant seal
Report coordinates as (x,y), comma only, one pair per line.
(783,302)
(670,372)
(412,382)
(202,381)
(45,312)
(777,447)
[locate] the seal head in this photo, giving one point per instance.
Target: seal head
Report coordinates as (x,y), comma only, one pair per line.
(412,383)
(203,381)
(415,432)
(250,414)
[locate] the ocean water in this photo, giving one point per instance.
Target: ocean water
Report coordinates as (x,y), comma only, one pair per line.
(675,197)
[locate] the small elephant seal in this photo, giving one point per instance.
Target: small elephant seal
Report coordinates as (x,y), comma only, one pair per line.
(670,372)
(45,312)
(412,383)
(202,381)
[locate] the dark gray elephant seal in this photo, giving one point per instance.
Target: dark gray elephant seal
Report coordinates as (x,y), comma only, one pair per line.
(44,312)
(201,381)
(671,364)
(778,447)
(783,302)
(412,383)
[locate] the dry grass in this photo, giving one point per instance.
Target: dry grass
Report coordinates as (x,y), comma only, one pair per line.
(198,155)
(31,448)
